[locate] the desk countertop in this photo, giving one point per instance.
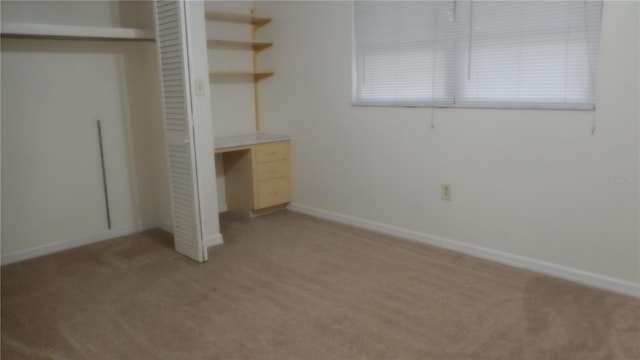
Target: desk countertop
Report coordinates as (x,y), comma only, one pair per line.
(248,139)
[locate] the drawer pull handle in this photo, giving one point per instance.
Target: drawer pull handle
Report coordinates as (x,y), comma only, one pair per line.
(272,153)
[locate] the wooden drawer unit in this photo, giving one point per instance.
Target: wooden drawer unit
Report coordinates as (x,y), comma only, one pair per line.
(257,178)
(271,152)
(272,170)
(273,192)
(271,166)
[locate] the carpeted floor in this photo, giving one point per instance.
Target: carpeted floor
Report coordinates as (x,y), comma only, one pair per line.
(288,286)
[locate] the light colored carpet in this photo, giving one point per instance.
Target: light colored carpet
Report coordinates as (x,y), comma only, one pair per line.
(288,286)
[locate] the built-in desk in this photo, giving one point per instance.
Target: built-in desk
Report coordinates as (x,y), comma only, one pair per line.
(256,171)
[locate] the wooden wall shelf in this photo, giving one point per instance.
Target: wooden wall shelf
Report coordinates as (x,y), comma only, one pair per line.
(256,45)
(257,75)
(251,44)
(236,17)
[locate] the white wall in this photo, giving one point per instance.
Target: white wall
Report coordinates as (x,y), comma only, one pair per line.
(52,94)
(136,14)
(531,183)
(231,98)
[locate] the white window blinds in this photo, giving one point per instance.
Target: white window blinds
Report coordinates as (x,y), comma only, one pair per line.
(531,54)
(402,52)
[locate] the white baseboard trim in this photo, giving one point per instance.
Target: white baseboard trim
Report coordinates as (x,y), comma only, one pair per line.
(68,244)
(209,242)
(166,227)
(560,271)
(213,240)
(106,235)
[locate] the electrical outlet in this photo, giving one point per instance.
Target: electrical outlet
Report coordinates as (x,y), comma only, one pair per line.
(446,192)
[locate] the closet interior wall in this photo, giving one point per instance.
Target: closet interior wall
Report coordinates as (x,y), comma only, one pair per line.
(53,94)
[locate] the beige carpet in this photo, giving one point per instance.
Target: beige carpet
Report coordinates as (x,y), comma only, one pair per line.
(288,286)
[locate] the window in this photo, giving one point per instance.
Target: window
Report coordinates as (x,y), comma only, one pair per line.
(530,54)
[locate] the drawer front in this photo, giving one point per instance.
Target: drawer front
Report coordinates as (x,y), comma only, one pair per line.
(272,170)
(272,151)
(273,192)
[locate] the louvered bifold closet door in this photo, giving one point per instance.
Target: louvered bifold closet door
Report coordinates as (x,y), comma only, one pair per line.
(173,54)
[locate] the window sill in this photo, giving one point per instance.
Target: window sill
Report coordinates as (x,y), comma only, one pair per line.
(498,106)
